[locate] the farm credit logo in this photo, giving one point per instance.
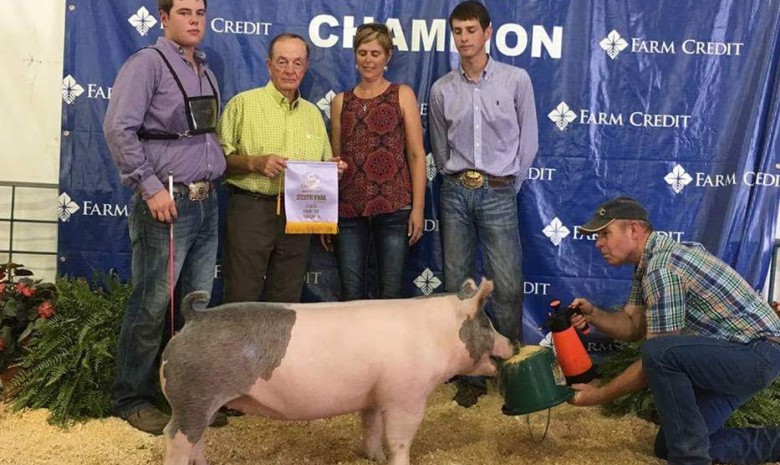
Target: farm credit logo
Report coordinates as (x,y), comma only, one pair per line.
(614,44)
(563,116)
(678,179)
(67,207)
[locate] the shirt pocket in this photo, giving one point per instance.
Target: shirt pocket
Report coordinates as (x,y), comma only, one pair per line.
(307,144)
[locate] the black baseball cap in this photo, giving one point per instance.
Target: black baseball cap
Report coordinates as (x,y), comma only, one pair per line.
(620,208)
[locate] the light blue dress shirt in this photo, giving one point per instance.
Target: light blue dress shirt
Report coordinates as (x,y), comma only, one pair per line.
(489,126)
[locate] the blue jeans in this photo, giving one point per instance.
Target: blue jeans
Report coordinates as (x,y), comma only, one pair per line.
(387,233)
(195,256)
(487,215)
(697,382)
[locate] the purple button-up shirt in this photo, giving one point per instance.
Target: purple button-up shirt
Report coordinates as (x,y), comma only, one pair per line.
(488,125)
(145,94)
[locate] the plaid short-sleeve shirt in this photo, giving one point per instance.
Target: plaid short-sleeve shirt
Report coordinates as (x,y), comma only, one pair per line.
(685,288)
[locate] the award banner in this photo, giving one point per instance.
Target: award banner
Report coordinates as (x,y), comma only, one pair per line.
(311,197)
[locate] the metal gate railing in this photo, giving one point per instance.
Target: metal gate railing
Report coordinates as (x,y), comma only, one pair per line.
(12,219)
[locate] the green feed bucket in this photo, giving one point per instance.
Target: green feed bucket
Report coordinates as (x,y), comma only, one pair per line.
(532,381)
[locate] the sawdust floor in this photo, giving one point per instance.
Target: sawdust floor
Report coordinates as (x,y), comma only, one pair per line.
(449,435)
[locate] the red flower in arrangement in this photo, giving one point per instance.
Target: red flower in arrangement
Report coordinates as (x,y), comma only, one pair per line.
(23,301)
(46,310)
(25,290)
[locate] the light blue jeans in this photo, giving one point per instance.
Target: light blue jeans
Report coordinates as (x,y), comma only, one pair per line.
(486,216)
(697,382)
(195,256)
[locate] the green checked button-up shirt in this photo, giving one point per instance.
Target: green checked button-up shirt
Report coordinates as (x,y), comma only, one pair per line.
(262,121)
(687,289)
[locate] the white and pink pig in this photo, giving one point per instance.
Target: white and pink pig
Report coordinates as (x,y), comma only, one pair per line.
(307,361)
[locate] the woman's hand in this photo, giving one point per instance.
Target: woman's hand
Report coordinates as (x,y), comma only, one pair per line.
(416,226)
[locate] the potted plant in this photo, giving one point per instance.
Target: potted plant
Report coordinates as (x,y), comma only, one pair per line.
(69,366)
(24,303)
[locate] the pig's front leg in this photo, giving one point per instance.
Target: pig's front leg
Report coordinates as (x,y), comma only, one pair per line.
(372,434)
(401,423)
(197,457)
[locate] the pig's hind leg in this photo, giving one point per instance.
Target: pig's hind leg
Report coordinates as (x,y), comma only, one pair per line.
(184,434)
(177,449)
(373,431)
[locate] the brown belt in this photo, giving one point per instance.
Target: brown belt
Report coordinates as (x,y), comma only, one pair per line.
(473,179)
(774,339)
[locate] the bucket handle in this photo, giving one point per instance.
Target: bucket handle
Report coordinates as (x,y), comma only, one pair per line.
(546,427)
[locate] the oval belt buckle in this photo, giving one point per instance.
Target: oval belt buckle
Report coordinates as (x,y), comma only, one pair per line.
(472,179)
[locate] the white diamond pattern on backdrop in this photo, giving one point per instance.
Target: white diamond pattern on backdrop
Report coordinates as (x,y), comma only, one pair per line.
(142,21)
(556,231)
(70,89)
(66,208)
(427,282)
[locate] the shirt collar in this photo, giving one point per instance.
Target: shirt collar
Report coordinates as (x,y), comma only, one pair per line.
(486,73)
(650,246)
(166,43)
(280,99)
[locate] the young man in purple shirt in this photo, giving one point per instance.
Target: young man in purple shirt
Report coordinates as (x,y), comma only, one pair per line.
(160,123)
(484,139)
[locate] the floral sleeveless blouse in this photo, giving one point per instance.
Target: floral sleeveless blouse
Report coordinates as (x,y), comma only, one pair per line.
(373,145)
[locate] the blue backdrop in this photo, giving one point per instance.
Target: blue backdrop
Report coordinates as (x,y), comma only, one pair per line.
(675,103)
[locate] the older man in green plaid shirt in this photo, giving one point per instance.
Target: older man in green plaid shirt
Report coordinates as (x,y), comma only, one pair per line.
(712,342)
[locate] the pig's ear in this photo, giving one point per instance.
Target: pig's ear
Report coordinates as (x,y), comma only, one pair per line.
(485,288)
(467,290)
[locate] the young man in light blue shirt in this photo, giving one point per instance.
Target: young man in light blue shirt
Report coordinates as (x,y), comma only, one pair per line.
(484,139)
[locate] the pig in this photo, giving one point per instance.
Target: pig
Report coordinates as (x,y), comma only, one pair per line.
(382,358)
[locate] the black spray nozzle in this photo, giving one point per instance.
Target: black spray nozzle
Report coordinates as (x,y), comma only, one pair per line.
(559,318)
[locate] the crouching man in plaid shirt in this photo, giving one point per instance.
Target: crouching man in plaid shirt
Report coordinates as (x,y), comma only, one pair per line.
(712,342)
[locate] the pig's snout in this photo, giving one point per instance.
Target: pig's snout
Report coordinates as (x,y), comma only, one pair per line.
(502,347)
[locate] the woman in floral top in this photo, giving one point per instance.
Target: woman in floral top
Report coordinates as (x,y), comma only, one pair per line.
(377,131)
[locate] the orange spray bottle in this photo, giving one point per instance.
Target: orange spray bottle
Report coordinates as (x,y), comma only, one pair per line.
(571,354)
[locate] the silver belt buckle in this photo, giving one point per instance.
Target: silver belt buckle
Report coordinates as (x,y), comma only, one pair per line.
(199,190)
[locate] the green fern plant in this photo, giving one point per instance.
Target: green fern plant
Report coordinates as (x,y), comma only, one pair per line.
(69,367)
(762,409)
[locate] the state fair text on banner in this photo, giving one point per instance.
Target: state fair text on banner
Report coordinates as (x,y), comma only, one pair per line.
(311,197)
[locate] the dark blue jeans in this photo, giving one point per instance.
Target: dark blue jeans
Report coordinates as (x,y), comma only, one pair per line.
(697,382)
(195,257)
(387,233)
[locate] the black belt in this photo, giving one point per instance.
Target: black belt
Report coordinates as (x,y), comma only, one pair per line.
(254,195)
(473,179)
